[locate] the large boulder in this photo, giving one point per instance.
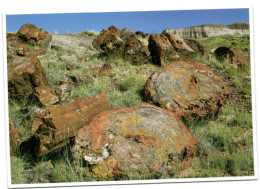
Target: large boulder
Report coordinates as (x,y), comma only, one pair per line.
(198,49)
(122,43)
(56,125)
(187,88)
(133,142)
(230,55)
(24,74)
(166,47)
(33,35)
(161,49)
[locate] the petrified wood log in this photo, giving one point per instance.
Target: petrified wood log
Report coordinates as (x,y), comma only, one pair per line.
(132,142)
(187,88)
(56,125)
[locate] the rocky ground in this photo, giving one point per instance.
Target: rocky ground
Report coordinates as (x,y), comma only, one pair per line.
(123,105)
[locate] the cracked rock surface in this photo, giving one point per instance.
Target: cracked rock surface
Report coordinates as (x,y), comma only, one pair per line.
(142,140)
(187,88)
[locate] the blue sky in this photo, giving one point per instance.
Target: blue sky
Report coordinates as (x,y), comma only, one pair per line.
(147,21)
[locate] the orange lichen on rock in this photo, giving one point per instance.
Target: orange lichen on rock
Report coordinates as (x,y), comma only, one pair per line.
(56,124)
(186,88)
(134,141)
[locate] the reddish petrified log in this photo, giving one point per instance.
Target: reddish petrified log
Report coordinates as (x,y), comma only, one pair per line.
(24,74)
(122,43)
(33,35)
(230,55)
(187,88)
(56,125)
(134,141)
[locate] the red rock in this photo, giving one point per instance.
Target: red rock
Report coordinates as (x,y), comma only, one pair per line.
(177,42)
(230,55)
(56,125)
(24,74)
(161,49)
(31,34)
(187,88)
(44,96)
(166,47)
(14,138)
(134,141)
(198,49)
(125,44)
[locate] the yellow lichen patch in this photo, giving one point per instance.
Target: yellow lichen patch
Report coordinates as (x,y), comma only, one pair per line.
(107,169)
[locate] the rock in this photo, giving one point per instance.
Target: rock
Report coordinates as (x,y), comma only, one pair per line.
(125,44)
(55,125)
(198,49)
(166,47)
(230,55)
(141,34)
(15,47)
(161,49)
(33,35)
(187,88)
(104,40)
(211,30)
(14,139)
(44,96)
(24,74)
(135,51)
(142,140)
(114,30)
(177,42)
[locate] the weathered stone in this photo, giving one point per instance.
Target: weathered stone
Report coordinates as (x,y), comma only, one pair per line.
(33,35)
(14,138)
(135,51)
(177,42)
(230,55)
(141,34)
(161,49)
(132,142)
(186,88)
(198,49)
(44,96)
(56,125)
(104,40)
(15,47)
(166,47)
(123,44)
(211,30)
(24,74)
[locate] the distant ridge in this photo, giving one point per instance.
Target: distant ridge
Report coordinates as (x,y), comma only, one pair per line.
(211,30)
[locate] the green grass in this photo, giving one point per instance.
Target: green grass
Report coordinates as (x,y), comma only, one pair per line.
(33,47)
(241,43)
(18,170)
(225,143)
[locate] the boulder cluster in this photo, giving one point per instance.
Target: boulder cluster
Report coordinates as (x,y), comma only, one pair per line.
(149,139)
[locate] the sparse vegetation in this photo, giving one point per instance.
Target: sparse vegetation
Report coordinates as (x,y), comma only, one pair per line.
(225,143)
(91,33)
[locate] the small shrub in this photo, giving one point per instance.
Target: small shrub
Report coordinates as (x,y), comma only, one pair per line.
(91,33)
